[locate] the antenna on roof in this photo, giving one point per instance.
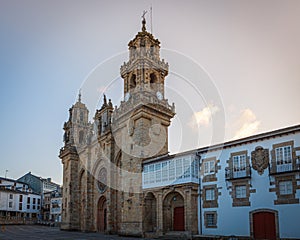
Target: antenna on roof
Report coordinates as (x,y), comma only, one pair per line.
(151,18)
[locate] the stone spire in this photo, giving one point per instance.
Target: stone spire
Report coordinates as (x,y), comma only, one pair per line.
(79,96)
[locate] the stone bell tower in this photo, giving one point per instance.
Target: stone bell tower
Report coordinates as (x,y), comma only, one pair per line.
(76,131)
(140,124)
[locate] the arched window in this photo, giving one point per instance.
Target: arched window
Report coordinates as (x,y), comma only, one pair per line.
(81,116)
(81,137)
(133,81)
(153,80)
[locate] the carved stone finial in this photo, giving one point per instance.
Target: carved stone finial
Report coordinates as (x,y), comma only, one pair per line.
(104,100)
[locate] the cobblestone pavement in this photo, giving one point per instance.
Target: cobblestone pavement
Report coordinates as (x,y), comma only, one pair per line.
(36,232)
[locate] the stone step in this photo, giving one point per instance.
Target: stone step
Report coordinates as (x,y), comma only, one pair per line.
(174,235)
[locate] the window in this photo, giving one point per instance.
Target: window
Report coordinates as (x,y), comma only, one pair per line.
(210,219)
(209,167)
(81,137)
(164,167)
(20,206)
(240,191)
(146,174)
(186,167)
(158,172)
(11,196)
(10,204)
(171,170)
(21,198)
(285,187)
(28,200)
(33,200)
(283,155)
(179,170)
(210,194)
(81,116)
(151,173)
(239,163)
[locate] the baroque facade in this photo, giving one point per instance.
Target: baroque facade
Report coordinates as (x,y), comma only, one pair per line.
(119,178)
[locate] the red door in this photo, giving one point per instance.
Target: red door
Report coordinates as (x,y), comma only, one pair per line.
(179,219)
(264,225)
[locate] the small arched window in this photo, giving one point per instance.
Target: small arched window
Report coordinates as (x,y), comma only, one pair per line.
(81,137)
(153,80)
(133,81)
(81,116)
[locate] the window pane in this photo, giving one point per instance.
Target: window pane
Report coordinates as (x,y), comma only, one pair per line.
(210,194)
(240,191)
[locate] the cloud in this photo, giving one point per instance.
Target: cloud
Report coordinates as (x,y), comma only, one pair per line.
(247,124)
(203,117)
(102,89)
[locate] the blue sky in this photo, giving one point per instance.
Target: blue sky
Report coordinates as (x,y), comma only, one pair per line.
(250,50)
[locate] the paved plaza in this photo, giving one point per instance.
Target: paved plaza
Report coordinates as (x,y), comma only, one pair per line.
(36,232)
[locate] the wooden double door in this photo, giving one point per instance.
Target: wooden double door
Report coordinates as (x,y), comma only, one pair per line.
(264,225)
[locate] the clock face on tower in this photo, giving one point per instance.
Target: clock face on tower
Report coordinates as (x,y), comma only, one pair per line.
(159,95)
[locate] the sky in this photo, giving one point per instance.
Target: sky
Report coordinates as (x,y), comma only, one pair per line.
(234,69)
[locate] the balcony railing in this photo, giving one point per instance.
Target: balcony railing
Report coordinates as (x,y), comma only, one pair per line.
(278,168)
(236,173)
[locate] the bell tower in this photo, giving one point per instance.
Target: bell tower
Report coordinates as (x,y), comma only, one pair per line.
(140,124)
(144,70)
(76,131)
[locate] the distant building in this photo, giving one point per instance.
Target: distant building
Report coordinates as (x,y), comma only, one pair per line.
(18,203)
(52,206)
(38,184)
(56,209)
(42,186)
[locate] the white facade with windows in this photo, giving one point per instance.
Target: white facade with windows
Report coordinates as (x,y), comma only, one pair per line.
(17,199)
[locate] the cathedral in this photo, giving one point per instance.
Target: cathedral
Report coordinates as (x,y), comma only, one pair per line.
(119,178)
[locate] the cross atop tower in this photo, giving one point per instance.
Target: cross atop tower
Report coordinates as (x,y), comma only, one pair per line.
(144,21)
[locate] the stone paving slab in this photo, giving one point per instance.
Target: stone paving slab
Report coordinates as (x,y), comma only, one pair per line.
(37,232)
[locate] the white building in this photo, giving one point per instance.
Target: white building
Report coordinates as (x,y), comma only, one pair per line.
(55,209)
(248,187)
(17,201)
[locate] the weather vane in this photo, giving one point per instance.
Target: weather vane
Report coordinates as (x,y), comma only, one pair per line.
(144,21)
(144,13)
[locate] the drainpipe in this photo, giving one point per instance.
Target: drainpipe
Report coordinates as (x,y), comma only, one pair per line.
(198,157)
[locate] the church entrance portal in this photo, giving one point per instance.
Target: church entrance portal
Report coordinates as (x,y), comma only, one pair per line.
(173,212)
(102,215)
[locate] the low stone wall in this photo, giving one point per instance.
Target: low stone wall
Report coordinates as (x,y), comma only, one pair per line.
(17,220)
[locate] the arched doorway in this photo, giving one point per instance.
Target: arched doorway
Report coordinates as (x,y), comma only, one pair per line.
(173,212)
(150,213)
(264,224)
(101,215)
